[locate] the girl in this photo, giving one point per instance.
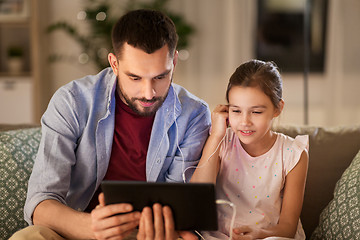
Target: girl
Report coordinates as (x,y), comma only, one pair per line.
(260,171)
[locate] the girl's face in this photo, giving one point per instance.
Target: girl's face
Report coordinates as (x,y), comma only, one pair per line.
(251,114)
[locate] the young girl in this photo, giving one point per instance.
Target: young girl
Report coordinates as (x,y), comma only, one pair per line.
(260,171)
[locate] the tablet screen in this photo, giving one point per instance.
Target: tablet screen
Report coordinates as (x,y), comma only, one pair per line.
(193,204)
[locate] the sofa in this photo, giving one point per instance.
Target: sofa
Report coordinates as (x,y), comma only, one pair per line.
(331,208)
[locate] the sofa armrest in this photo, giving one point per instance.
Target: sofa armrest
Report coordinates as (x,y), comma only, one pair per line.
(8,127)
(18,150)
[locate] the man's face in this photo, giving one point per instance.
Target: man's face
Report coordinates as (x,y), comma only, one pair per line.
(143,79)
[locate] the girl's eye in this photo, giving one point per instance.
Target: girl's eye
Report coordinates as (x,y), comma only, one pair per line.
(255,112)
(236,111)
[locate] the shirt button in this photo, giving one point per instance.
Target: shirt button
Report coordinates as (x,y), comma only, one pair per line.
(158,161)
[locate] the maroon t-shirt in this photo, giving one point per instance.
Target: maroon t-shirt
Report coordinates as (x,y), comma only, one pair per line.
(129,149)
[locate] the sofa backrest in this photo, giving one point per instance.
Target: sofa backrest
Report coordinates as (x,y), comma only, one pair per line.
(331,152)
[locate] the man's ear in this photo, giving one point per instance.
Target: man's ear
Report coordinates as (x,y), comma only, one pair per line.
(176,56)
(113,63)
(280,108)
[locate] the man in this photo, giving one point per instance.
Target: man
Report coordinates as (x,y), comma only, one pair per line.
(129,122)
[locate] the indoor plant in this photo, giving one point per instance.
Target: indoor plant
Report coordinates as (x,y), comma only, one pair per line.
(101,15)
(15,59)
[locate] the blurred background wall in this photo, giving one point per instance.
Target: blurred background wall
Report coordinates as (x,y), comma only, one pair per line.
(225,37)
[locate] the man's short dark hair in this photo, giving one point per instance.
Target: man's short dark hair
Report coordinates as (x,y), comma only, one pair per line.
(148,30)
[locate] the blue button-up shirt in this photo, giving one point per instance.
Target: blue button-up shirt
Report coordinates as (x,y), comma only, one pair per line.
(77,136)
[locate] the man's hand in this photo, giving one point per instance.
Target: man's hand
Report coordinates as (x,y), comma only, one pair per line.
(160,226)
(114,221)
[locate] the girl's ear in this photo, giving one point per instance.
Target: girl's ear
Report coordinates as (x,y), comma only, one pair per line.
(280,108)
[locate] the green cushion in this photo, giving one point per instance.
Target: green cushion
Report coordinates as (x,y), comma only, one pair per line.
(18,149)
(341,217)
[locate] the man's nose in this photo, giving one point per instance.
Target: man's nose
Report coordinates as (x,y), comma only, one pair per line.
(148,89)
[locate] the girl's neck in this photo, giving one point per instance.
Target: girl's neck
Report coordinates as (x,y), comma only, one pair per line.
(261,147)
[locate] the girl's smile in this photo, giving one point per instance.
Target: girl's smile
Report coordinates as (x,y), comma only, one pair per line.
(246,133)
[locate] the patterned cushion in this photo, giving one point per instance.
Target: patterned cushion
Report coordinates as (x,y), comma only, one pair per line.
(18,149)
(341,217)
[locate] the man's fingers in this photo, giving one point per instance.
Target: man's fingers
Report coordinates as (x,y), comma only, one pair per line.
(146,230)
(113,225)
(141,234)
(158,221)
(170,232)
(148,223)
(118,231)
(113,220)
(117,220)
(101,199)
(110,210)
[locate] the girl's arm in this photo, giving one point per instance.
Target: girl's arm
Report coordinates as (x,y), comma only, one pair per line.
(208,167)
(290,209)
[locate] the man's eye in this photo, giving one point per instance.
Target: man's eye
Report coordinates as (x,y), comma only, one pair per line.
(160,77)
(257,112)
(236,111)
(134,78)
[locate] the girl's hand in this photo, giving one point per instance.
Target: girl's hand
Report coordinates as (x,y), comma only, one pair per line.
(245,233)
(219,119)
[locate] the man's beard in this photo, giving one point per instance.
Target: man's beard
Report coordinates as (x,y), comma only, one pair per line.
(144,111)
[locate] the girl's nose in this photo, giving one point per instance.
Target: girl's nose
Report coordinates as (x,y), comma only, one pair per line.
(245,120)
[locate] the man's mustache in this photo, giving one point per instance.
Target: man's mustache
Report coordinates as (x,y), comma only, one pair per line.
(147,100)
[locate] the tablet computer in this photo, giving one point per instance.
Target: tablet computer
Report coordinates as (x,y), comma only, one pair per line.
(193,204)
